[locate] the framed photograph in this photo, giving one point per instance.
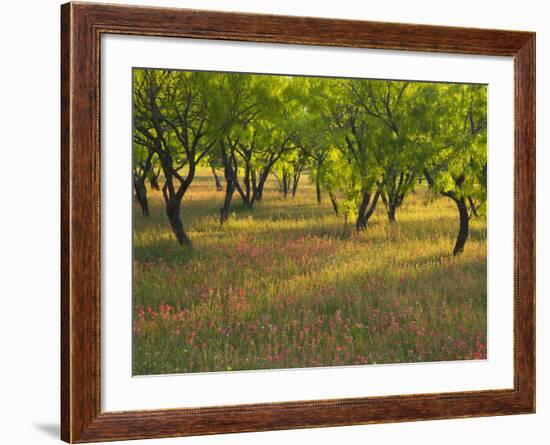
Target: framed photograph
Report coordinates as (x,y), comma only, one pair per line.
(274,222)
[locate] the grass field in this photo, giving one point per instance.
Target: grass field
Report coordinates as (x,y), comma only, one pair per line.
(287,285)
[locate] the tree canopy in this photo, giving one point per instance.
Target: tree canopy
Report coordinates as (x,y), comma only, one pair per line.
(364,142)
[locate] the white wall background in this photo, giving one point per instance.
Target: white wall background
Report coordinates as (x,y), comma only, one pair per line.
(29,219)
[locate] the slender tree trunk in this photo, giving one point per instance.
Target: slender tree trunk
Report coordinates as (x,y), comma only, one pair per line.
(391,203)
(224,211)
(372,207)
(255,191)
(294,188)
(463,216)
(318,191)
(463,228)
(279,182)
(248,196)
(173,213)
(261,184)
(391,213)
(154,179)
(361,222)
(295,181)
(334,202)
(231,183)
(473,206)
(366,211)
(219,186)
(230,175)
(141,194)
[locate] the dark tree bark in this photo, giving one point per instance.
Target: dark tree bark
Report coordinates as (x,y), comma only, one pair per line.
(255,179)
(365,211)
(141,194)
(256,193)
(318,155)
(286,183)
(464,218)
(473,206)
(173,196)
(230,175)
(141,172)
(219,186)
(395,190)
(152,122)
(262,178)
(248,194)
(297,169)
(391,213)
(224,211)
(295,181)
(279,182)
(463,215)
(173,213)
(334,202)
(154,179)
(318,192)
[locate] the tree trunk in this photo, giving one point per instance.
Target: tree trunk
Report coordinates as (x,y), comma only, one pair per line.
(391,213)
(219,186)
(285,184)
(230,175)
(262,179)
(361,222)
(295,180)
(256,192)
(464,226)
(141,194)
(224,211)
(334,202)
(154,179)
(372,206)
(391,203)
(173,213)
(318,190)
(278,182)
(365,212)
(473,206)
(230,179)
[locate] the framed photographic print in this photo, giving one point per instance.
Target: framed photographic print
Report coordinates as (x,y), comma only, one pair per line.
(275,222)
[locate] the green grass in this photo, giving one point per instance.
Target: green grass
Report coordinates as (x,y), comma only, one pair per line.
(287,284)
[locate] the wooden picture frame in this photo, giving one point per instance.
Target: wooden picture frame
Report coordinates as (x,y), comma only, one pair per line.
(82,25)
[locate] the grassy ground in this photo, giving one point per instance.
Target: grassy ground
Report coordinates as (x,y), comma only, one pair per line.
(287,284)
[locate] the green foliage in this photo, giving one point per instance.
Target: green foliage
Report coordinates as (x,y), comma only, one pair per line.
(354,136)
(457,158)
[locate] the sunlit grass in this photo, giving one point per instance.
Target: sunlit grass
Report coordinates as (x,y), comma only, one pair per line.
(287,284)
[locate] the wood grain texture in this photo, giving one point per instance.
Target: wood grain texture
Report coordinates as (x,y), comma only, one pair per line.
(81,28)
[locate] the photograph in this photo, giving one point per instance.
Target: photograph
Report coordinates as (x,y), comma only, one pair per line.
(305,221)
(272,220)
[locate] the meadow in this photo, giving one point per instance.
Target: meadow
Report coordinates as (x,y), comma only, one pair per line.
(288,284)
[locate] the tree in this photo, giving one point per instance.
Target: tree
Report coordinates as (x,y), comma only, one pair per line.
(288,171)
(242,100)
(171,119)
(356,138)
(142,166)
(256,133)
(458,166)
(314,127)
(401,111)
(153,176)
(212,163)
(363,141)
